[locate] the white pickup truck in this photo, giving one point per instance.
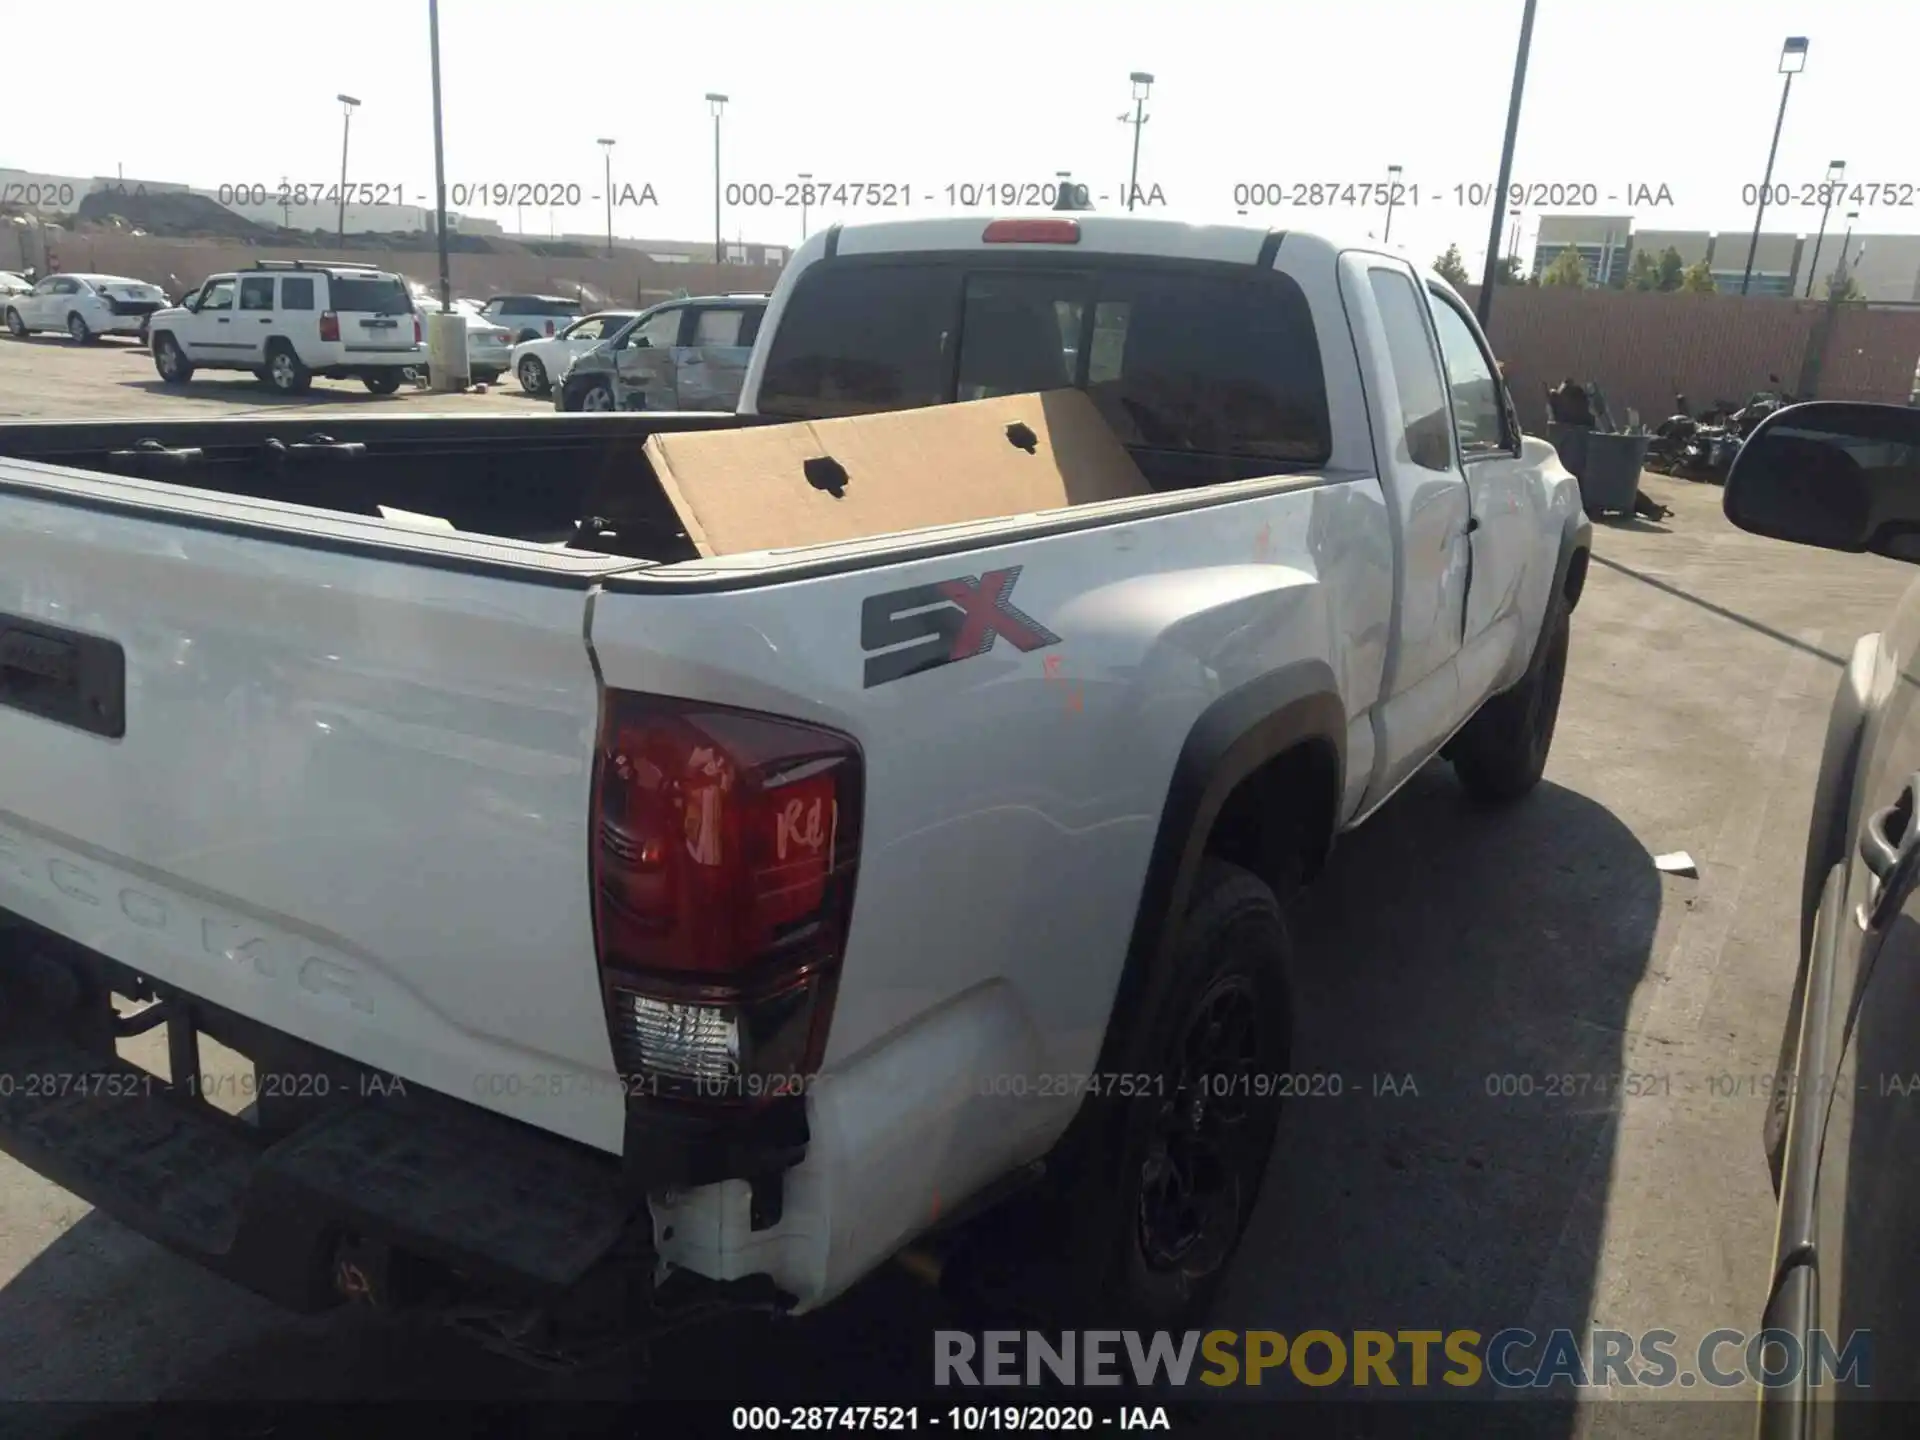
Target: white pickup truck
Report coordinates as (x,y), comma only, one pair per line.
(603,920)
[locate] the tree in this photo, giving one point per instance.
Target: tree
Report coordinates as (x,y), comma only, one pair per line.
(1672,269)
(1567,269)
(1452,269)
(1849,288)
(1698,279)
(1644,273)
(1509,271)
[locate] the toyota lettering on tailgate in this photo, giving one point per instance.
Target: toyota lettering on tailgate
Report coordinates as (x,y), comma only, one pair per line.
(946,620)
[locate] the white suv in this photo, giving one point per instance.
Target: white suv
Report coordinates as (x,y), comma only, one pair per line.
(290,320)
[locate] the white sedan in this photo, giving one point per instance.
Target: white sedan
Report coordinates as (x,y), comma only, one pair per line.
(487,343)
(85,306)
(538,363)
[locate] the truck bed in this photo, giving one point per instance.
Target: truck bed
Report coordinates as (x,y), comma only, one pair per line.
(580,481)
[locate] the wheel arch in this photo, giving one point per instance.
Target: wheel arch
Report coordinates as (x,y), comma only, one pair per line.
(1252,747)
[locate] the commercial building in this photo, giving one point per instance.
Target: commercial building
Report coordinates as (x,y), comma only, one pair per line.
(1885,267)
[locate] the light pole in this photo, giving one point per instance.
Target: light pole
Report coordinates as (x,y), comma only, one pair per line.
(1485,307)
(606,149)
(1793,59)
(439,162)
(347,104)
(1393,186)
(1836,180)
(719,103)
(1840,271)
(1142,83)
(806,192)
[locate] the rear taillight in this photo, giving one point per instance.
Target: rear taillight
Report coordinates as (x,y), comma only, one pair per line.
(329,325)
(549,328)
(416,327)
(725,846)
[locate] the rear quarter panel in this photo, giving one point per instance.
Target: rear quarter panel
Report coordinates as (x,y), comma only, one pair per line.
(1012,803)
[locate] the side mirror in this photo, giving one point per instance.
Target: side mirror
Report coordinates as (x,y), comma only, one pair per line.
(192,302)
(1835,474)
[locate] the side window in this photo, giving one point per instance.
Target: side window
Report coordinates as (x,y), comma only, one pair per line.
(717,327)
(1416,373)
(659,332)
(47,287)
(256,292)
(750,327)
(587,330)
(296,292)
(218,295)
(1473,386)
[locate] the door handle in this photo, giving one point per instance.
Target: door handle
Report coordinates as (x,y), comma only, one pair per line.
(224,320)
(1888,850)
(264,320)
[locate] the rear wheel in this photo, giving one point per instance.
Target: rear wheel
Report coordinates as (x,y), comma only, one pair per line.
(170,360)
(533,375)
(1160,1196)
(77,328)
(16,327)
(285,374)
(382,382)
(1502,752)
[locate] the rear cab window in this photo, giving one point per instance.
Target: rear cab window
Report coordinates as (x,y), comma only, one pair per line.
(1184,360)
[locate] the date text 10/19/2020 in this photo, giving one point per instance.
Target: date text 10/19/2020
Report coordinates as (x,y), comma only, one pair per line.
(1367,194)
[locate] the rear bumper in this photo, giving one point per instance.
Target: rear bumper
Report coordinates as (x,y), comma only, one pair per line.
(347,1173)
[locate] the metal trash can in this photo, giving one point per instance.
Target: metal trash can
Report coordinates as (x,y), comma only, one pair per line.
(1612,477)
(1571,442)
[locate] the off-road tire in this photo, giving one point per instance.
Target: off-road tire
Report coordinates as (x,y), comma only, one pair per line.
(1502,751)
(1184,1107)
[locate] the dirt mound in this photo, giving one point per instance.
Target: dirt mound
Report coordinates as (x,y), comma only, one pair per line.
(169,213)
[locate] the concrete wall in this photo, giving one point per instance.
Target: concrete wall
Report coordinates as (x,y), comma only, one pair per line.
(1643,348)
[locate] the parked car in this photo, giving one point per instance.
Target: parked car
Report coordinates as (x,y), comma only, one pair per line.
(726,1006)
(532,317)
(683,355)
(1843,1126)
(12,284)
(538,363)
(489,346)
(290,320)
(85,306)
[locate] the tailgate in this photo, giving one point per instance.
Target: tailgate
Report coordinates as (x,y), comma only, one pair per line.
(350,796)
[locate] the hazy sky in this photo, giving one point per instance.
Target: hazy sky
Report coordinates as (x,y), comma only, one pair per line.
(1680,93)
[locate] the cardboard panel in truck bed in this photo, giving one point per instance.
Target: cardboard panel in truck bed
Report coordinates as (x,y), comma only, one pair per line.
(772,487)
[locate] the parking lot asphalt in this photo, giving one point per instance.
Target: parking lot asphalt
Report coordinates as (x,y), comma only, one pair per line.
(1504,968)
(46,377)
